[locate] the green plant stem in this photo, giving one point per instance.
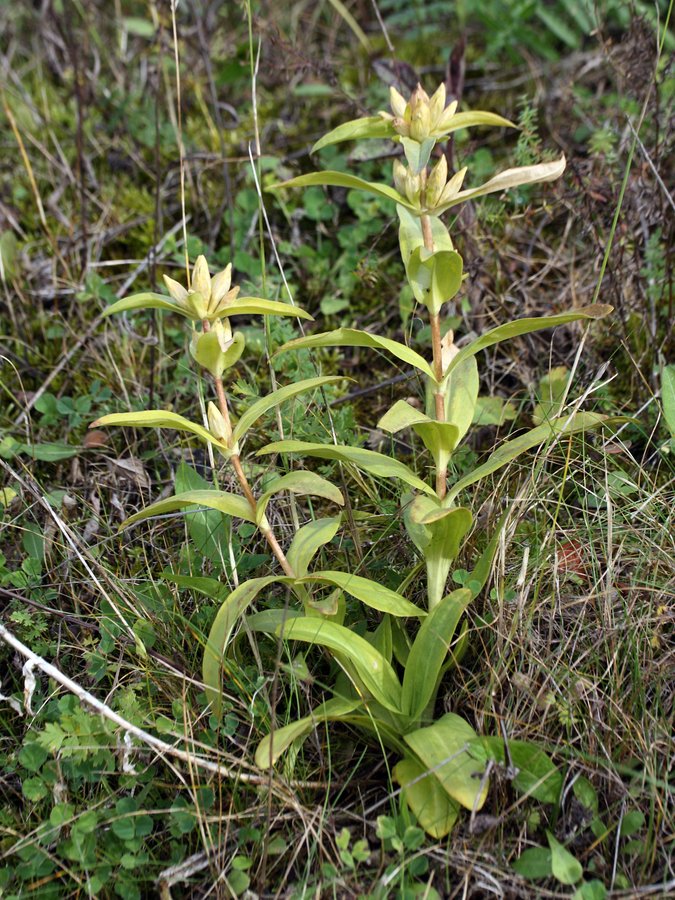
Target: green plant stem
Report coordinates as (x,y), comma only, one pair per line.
(435,321)
(270,537)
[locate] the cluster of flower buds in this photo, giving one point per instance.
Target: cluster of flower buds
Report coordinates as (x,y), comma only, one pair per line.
(206,297)
(438,190)
(421,117)
(218,425)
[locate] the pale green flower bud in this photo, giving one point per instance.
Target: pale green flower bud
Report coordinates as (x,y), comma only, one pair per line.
(397,103)
(437,103)
(452,188)
(218,426)
(420,114)
(197,303)
(400,173)
(413,186)
(176,290)
(223,331)
(402,127)
(444,120)
(201,279)
(436,182)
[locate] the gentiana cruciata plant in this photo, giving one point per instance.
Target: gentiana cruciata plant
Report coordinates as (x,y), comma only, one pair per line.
(390,676)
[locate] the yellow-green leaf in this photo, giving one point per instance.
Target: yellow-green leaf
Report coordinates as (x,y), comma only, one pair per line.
(368,127)
(352,337)
(435,811)
(270,401)
(301,483)
(146,300)
(441,748)
(307,541)
(341,179)
(257,306)
(372,669)
(373,594)
(368,460)
(224,502)
(157,418)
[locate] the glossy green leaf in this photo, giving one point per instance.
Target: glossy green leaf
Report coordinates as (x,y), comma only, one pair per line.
(473,117)
(273,745)
(146,300)
(410,234)
(441,748)
(537,776)
(461,394)
(435,811)
(157,418)
(222,501)
(270,401)
(372,669)
(438,437)
(507,179)
(258,306)
(417,153)
(429,651)
(565,867)
(341,179)
(373,594)
(352,337)
(510,450)
(526,326)
(302,483)
(223,625)
(368,127)
(434,277)
(368,460)
(308,540)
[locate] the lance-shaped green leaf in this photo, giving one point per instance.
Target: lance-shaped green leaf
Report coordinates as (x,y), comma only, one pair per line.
(440,438)
(270,401)
(222,501)
(301,483)
(368,460)
(223,625)
(307,541)
(371,668)
(368,127)
(352,337)
(442,749)
(341,179)
(271,747)
(428,652)
(434,277)
(158,418)
(526,326)
(473,117)
(435,811)
(258,306)
(509,178)
(461,394)
(510,450)
(373,594)
(417,154)
(145,300)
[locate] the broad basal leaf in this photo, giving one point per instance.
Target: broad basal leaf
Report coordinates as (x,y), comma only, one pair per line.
(435,811)
(372,669)
(442,749)
(271,747)
(536,775)
(373,594)
(429,651)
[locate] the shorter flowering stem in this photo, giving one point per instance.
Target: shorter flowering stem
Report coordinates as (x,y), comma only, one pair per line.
(243,480)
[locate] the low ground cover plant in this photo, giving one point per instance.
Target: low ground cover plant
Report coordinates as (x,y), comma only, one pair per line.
(389,675)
